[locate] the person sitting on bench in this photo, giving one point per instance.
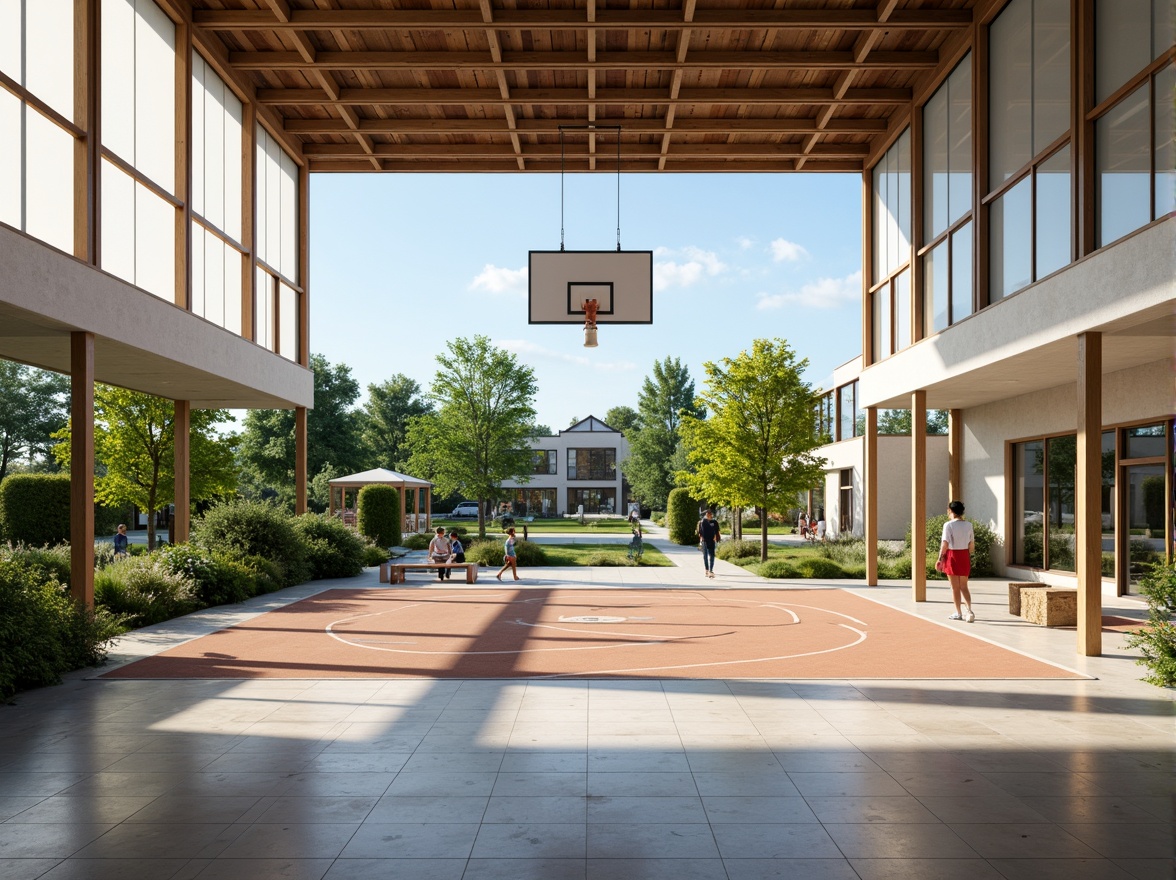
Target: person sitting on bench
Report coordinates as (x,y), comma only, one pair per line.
(440,550)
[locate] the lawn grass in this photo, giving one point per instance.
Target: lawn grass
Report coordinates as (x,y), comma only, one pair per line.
(547,526)
(787,553)
(581,554)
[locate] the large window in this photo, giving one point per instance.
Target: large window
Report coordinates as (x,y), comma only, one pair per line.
(826,404)
(139,207)
(947,202)
(1134,158)
(533,502)
(278,292)
(845,503)
(217,257)
(37,134)
(543,461)
(847,411)
(1031,225)
(592,464)
(890,295)
(594,500)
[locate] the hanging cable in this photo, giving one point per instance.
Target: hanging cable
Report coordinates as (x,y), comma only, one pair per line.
(563,167)
(618,189)
(561,188)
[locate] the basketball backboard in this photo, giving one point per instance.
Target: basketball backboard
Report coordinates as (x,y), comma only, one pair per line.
(559,282)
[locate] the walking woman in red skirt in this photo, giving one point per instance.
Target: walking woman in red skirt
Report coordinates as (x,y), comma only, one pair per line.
(955,560)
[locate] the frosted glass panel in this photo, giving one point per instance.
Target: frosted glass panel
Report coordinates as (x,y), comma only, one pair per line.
(935,289)
(960,140)
(10,157)
(1122,42)
(1010,92)
(198,305)
(262,209)
(49,157)
(214,270)
(1054,223)
(879,219)
(902,310)
(155,244)
(289,263)
(1011,241)
(935,164)
(214,153)
(10,27)
(233,268)
(49,53)
(882,323)
(118,77)
(263,310)
(1051,71)
(118,222)
(1123,167)
(902,210)
(892,215)
(234,115)
(1165,150)
(155,88)
(199,148)
(961,273)
(288,323)
(273,213)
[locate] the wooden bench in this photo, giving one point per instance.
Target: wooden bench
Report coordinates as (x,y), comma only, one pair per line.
(1050,606)
(393,572)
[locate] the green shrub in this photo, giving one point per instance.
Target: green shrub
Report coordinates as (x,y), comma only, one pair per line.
(820,568)
(52,562)
(379,514)
(373,555)
(985,541)
(267,574)
(682,517)
(244,529)
(658,516)
(417,541)
(34,508)
(332,549)
(144,591)
(899,569)
(490,552)
(737,549)
(605,558)
(778,568)
(1157,640)
(529,553)
(43,631)
(857,572)
(219,579)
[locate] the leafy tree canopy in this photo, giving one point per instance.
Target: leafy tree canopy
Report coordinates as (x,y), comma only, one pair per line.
(477,436)
(624,418)
(756,449)
(134,446)
(33,405)
(665,398)
(389,408)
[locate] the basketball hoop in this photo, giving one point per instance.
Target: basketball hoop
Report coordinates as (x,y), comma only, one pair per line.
(590,306)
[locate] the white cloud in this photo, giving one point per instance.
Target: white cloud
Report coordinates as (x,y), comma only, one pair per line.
(745,243)
(495,279)
(824,293)
(785,251)
(684,267)
(524,347)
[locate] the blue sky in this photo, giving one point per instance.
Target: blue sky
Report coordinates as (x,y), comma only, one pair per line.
(402,263)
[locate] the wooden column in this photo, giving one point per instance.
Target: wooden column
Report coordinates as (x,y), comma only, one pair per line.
(1089,494)
(955,453)
(300,476)
(403,502)
(429,509)
(181,427)
(416,506)
(303,355)
(870,502)
(81,469)
(1081,103)
(86,167)
(919,495)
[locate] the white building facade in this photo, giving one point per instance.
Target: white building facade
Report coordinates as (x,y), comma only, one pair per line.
(578,466)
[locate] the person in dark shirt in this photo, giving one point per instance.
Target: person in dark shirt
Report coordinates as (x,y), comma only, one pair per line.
(708,536)
(120,542)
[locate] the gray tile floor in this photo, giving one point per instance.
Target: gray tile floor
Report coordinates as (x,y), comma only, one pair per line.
(871,779)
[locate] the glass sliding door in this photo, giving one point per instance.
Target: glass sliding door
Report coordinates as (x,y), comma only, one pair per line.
(1144,502)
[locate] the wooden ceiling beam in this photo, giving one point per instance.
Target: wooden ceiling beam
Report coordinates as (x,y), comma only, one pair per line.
(554,152)
(576,97)
(527,61)
(575,19)
(580,165)
(735,125)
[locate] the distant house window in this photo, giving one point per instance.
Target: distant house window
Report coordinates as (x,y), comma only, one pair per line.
(594,500)
(592,464)
(543,461)
(845,501)
(847,411)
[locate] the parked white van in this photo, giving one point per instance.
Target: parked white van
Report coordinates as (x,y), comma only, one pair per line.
(466,508)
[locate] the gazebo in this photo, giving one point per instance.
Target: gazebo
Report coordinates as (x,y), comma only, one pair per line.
(413,522)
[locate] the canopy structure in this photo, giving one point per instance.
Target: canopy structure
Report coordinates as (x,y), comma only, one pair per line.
(413,522)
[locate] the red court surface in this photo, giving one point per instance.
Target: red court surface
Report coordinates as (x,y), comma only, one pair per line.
(513,633)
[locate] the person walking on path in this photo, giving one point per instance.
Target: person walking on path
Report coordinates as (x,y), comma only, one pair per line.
(120,542)
(955,560)
(440,551)
(708,536)
(456,549)
(509,560)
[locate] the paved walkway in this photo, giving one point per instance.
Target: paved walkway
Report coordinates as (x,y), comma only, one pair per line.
(596,779)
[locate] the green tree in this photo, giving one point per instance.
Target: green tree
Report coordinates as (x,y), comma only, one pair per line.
(333,435)
(624,418)
(389,408)
(665,398)
(33,406)
(477,437)
(134,448)
(756,449)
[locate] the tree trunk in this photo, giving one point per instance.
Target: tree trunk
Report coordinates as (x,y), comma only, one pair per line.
(763,539)
(481,518)
(737,523)
(151,528)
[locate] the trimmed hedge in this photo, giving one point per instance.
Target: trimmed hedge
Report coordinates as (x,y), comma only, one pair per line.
(43,631)
(245,529)
(490,552)
(333,550)
(778,568)
(732,549)
(34,509)
(682,517)
(378,517)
